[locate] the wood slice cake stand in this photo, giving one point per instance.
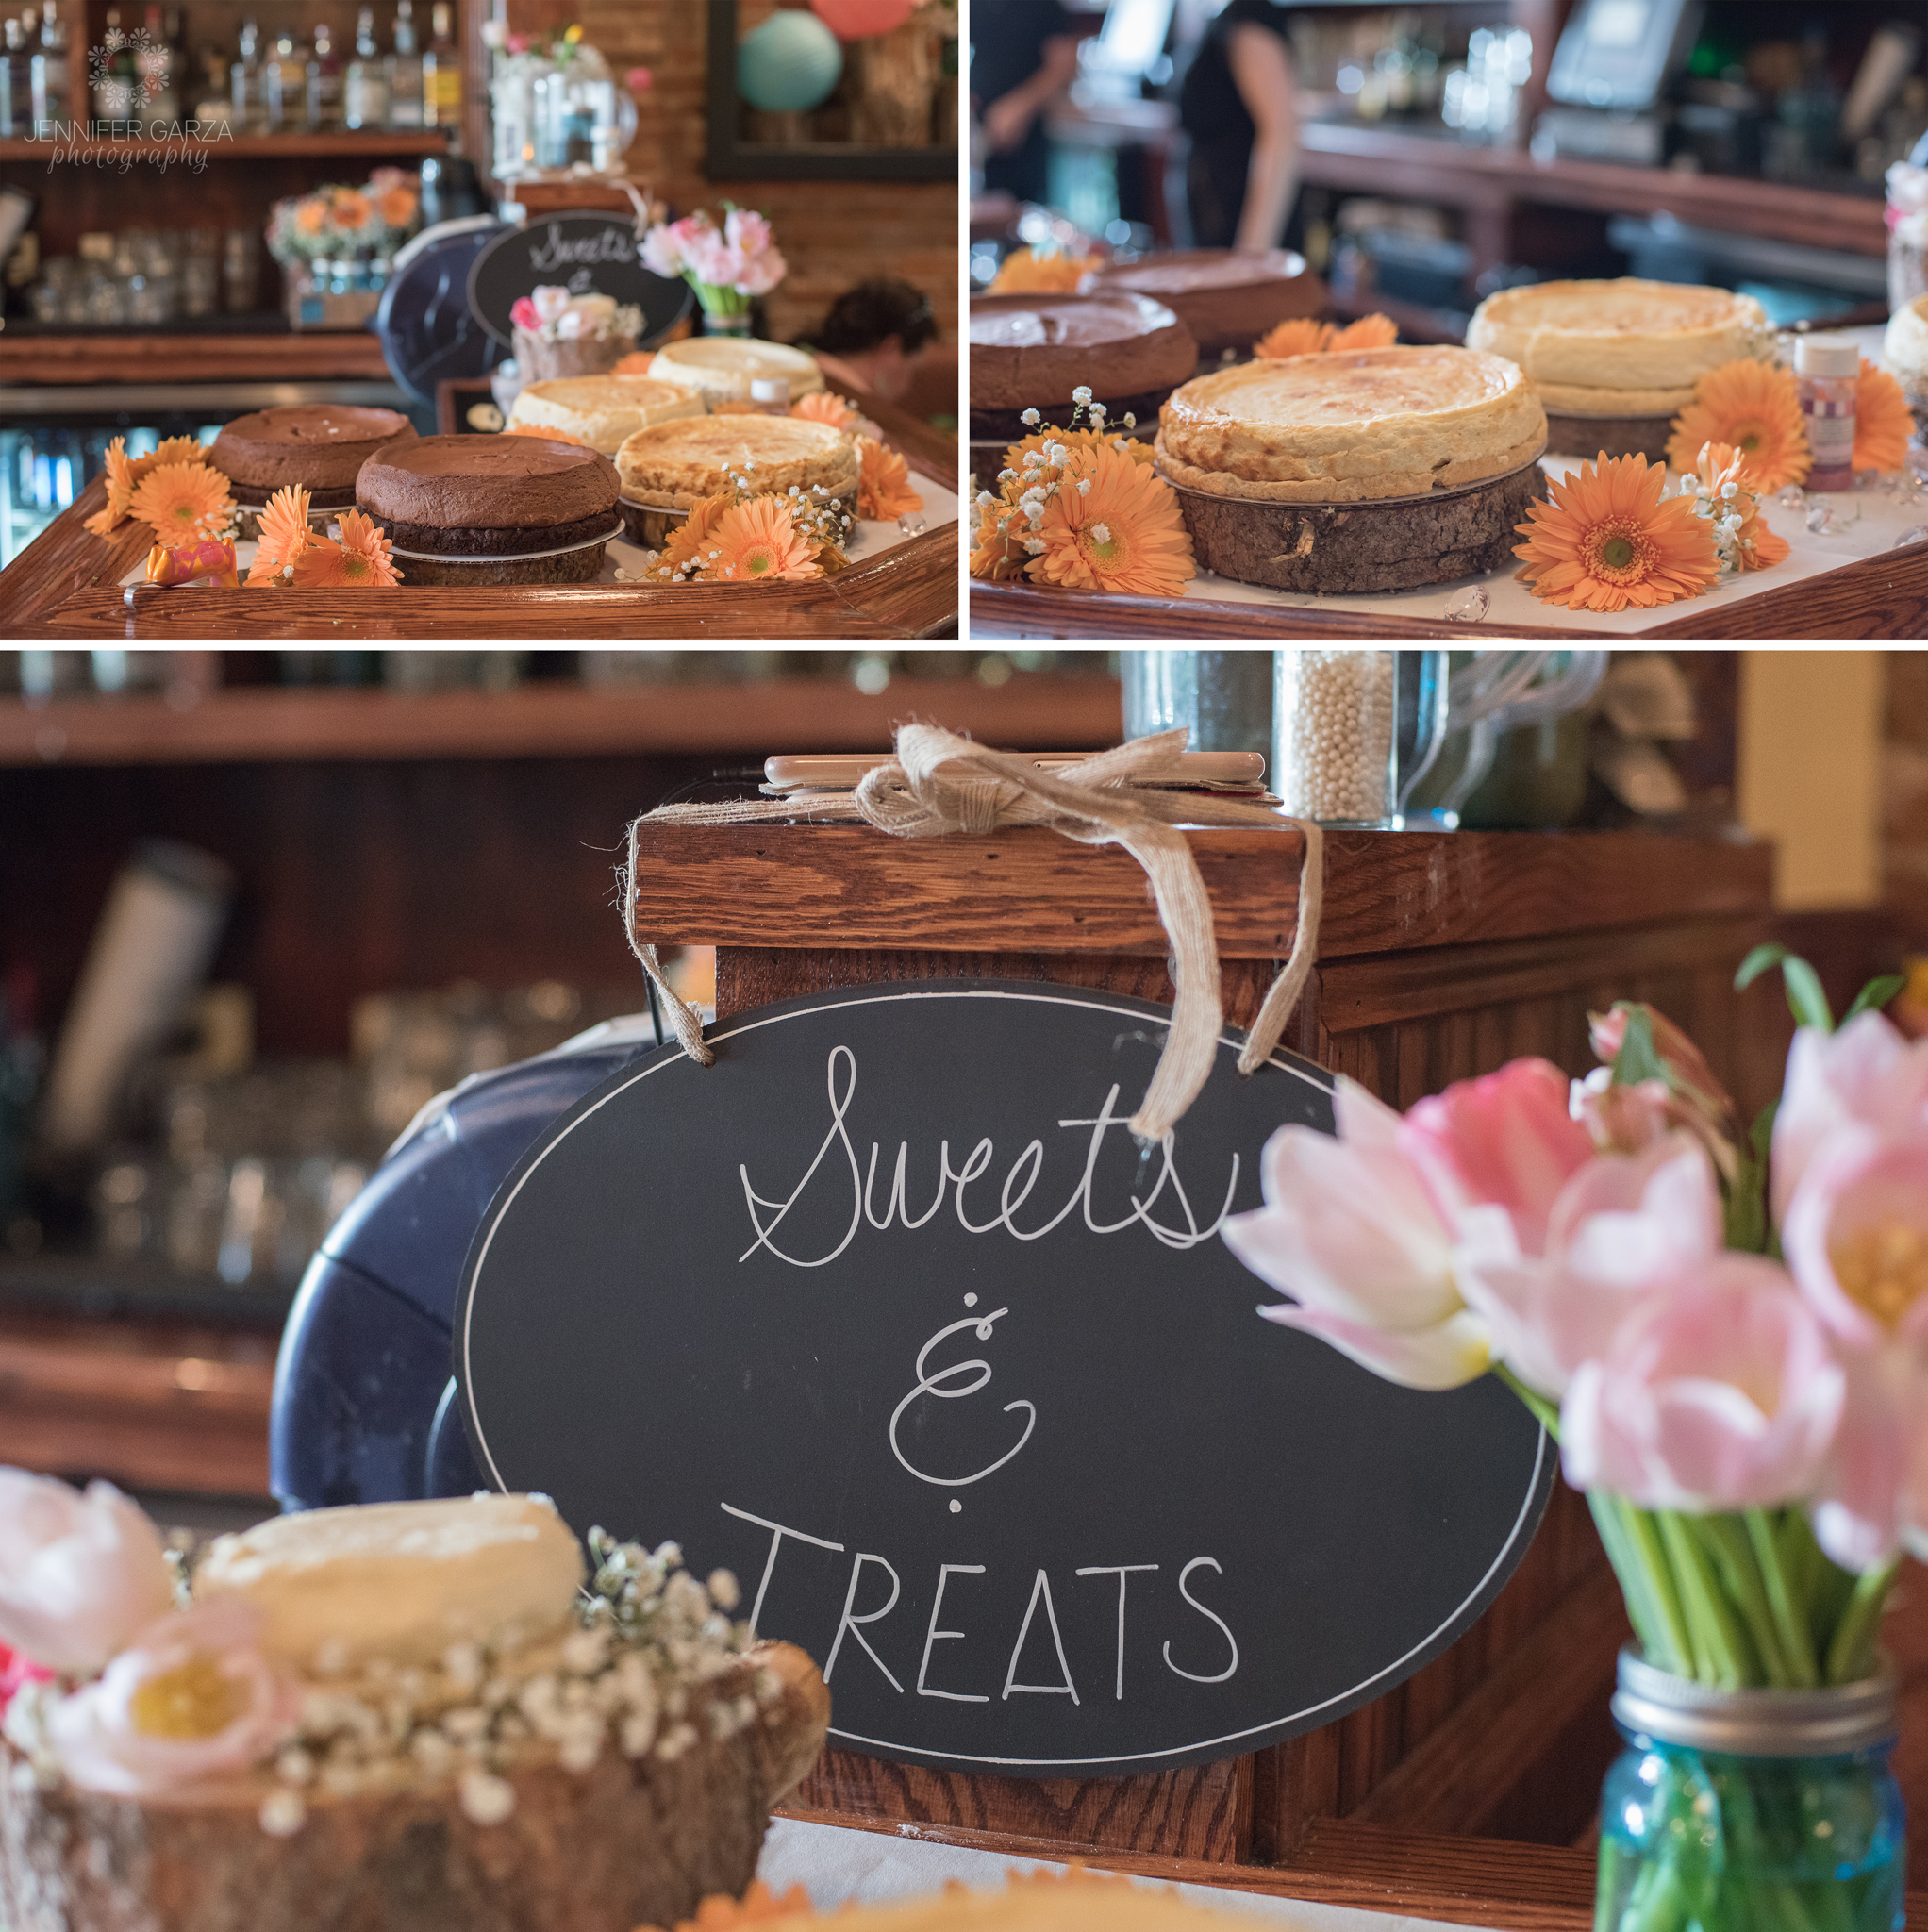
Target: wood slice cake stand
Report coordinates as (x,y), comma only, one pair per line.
(1617,436)
(1395,543)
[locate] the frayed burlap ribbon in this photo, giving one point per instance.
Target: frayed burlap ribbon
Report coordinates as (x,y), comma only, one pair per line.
(940,784)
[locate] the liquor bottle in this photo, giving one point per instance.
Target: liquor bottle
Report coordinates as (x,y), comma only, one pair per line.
(284,86)
(442,78)
(49,68)
(180,60)
(247,106)
(16,96)
(117,94)
(154,61)
(406,71)
(324,83)
(365,93)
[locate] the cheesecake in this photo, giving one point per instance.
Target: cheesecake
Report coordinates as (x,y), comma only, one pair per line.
(1034,352)
(602,410)
(671,466)
(1625,348)
(493,509)
(1360,425)
(1228,298)
(726,366)
(318,448)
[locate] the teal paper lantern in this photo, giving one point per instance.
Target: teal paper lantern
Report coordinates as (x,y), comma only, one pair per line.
(789,64)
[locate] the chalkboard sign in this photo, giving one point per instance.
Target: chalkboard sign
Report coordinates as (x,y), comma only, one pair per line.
(887,1312)
(583,253)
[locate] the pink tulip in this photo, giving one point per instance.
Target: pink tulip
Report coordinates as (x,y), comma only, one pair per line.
(1862,1504)
(1505,1142)
(1868,1071)
(1622,1227)
(1855,1236)
(746,230)
(1722,1394)
(1630,1116)
(1350,1230)
(1685,1062)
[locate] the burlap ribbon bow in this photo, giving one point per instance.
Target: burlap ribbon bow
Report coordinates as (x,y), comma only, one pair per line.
(940,784)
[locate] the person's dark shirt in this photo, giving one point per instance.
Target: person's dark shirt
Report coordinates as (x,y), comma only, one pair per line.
(1007,40)
(1210,106)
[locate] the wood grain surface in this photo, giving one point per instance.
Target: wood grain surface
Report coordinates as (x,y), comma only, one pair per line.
(147,1405)
(284,356)
(1031,889)
(66,585)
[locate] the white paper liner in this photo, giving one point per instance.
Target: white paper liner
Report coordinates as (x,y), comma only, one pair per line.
(512,557)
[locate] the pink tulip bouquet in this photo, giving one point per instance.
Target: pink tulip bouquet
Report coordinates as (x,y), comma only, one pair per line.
(1726,1331)
(728,266)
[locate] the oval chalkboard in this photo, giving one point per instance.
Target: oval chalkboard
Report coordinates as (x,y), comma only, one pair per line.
(585,252)
(887,1312)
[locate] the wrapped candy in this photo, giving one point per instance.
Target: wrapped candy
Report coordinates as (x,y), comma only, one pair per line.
(192,562)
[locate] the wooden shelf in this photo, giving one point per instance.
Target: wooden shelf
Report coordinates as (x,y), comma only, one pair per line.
(290,356)
(1437,168)
(1033,711)
(251,147)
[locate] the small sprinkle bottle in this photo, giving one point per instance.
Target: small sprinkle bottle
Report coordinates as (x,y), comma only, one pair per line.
(1827,369)
(771,394)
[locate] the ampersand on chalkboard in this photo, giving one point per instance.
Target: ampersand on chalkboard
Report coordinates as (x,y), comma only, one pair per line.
(929,1384)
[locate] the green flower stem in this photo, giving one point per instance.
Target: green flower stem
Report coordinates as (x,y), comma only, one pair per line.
(1850,1655)
(1797,1645)
(1546,1413)
(1643,1535)
(718,298)
(1714,1630)
(1655,1617)
(1726,1542)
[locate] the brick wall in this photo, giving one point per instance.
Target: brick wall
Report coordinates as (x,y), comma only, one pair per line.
(832,233)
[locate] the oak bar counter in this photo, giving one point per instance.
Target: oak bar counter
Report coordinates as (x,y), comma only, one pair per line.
(1467,1793)
(67,585)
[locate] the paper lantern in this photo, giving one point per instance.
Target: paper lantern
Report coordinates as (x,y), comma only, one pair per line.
(858,20)
(789,64)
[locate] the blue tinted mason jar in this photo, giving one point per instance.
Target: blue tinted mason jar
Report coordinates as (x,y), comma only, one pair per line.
(1750,1810)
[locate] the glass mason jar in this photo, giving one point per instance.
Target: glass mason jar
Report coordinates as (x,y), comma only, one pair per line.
(1750,1810)
(1355,731)
(1224,697)
(719,322)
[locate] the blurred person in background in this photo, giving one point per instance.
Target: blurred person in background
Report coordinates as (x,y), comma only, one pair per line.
(1024,55)
(886,331)
(1239,105)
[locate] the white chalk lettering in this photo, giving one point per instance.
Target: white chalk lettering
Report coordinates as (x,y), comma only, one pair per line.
(1042,1587)
(1183,1578)
(932,1636)
(778,1531)
(1177,1229)
(928,1384)
(1122,1572)
(849,1622)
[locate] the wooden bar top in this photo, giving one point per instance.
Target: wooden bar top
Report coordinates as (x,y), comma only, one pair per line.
(848,886)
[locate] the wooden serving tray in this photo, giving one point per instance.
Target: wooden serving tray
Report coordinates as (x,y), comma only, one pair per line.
(1393,543)
(1615,435)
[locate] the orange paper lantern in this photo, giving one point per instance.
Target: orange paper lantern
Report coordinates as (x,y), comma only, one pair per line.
(858,20)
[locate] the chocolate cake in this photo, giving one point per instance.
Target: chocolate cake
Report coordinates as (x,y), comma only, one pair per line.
(1227,299)
(1031,352)
(474,499)
(321,446)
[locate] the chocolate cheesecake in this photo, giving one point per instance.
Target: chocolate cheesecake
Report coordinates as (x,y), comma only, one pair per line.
(1031,352)
(540,508)
(1226,298)
(320,446)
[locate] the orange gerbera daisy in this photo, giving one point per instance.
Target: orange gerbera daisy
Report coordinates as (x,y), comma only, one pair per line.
(361,536)
(350,210)
(822,407)
(1025,271)
(636,363)
(1609,539)
(1113,525)
(310,217)
(757,542)
(884,488)
(1074,440)
(183,502)
(1883,421)
(172,449)
(690,542)
(547,434)
(1720,465)
(124,472)
(1305,335)
(397,206)
(285,536)
(1754,407)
